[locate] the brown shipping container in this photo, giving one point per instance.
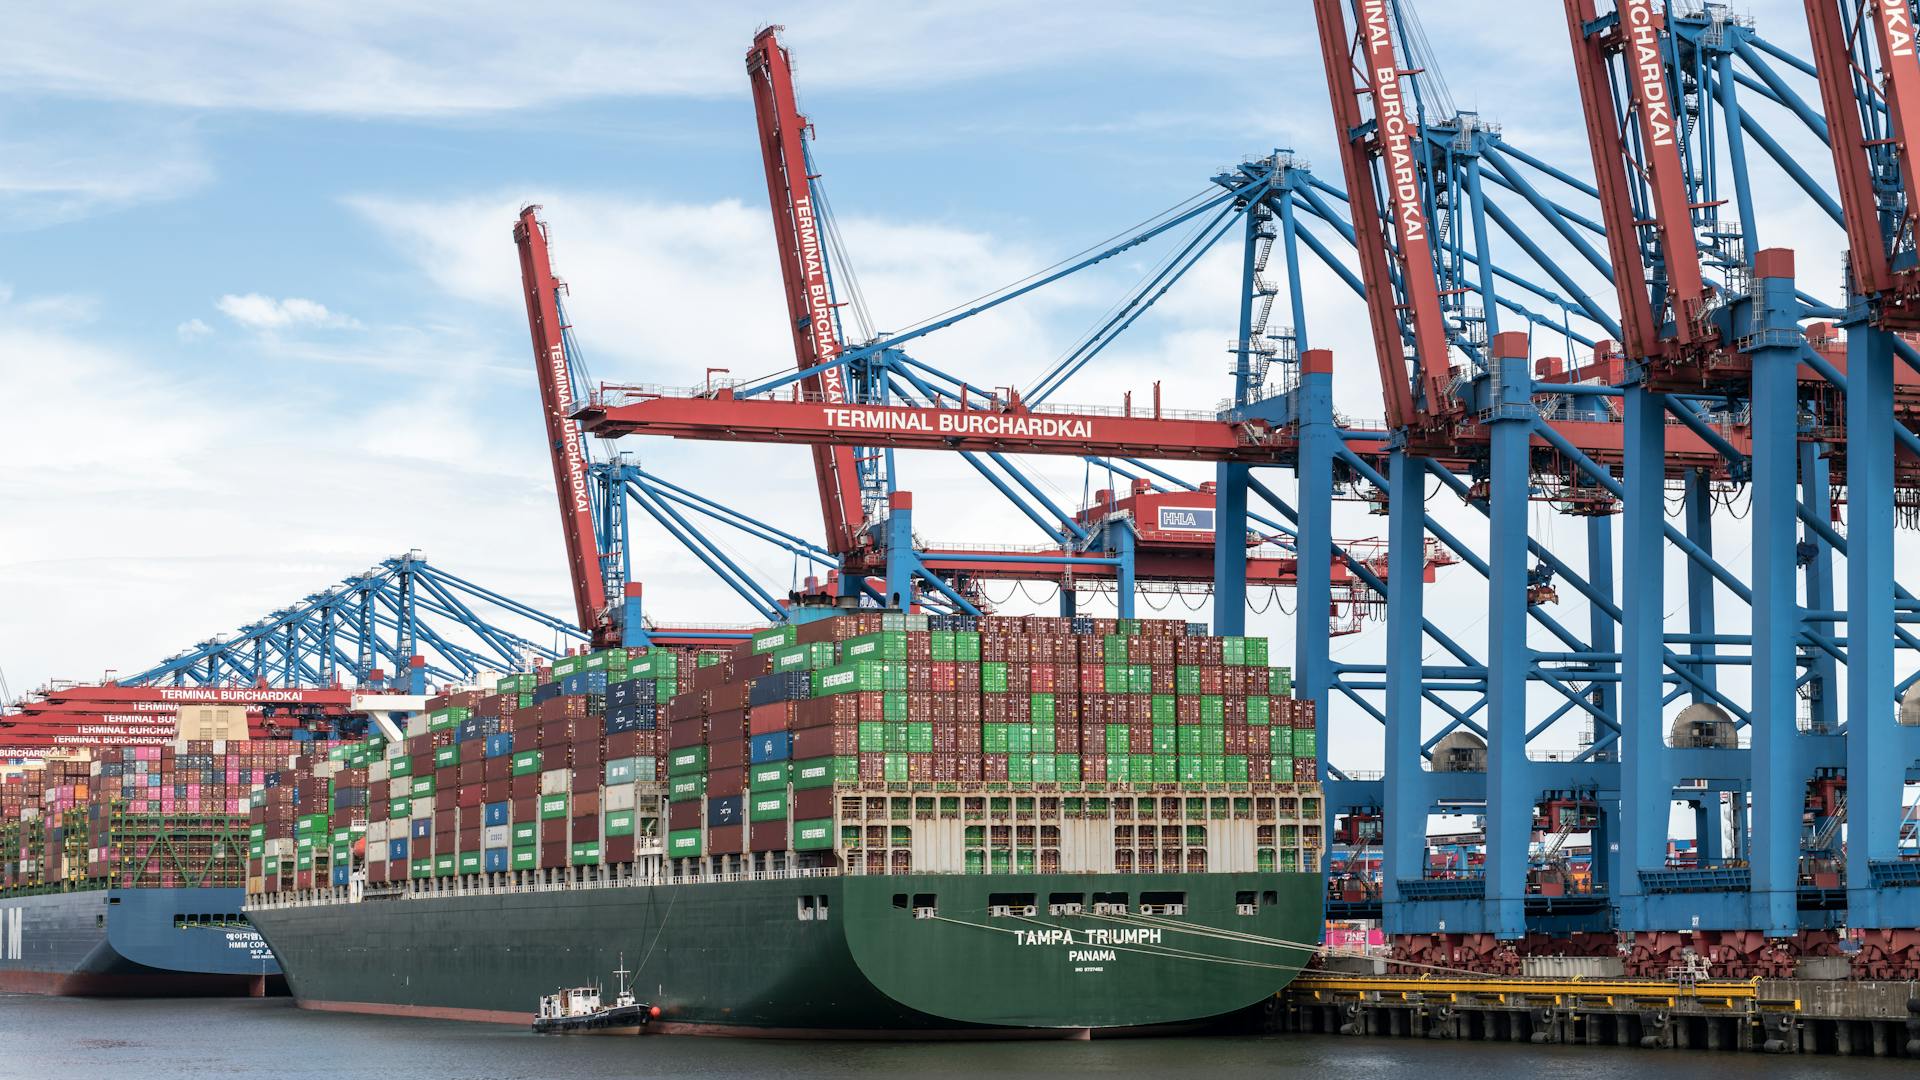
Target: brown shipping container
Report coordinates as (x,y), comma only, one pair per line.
(768,835)
(812,803)
(623,745)
(690,732)
(497,768)
(727,781)
(683,815)
(586,827)
(528,808)
(586,802)
(724,840)
(553,831)
(726,754)
(617,849)
(585,779)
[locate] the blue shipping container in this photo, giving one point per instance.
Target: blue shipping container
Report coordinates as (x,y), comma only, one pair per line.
(545,691)
(774,746)
(724,810)
(787,686)
(496,813)
(500,745)
(397,849)
(422,828)
(340,874)
(494,860)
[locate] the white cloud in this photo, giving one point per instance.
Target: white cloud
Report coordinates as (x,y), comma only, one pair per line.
(257,312)
(53,177)
(192,330)
(412,58)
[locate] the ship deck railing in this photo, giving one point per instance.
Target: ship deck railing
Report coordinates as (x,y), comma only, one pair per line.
(479,885)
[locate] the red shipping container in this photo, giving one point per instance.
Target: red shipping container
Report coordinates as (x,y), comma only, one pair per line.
(552,856)
(585,779)
(766,719)
(993,767)
(725,840)
(523,787)
(768,836)
(553,832)
(443,821)
(585,827)
(527,809)
(470,838)
(497,768)
(469,796)
(683,815)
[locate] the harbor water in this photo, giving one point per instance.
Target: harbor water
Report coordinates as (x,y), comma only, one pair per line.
(46,1038)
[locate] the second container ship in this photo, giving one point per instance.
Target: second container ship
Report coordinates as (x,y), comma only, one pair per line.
(869,825)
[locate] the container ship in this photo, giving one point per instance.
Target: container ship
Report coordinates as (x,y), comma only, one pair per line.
(123,836)
(869,825)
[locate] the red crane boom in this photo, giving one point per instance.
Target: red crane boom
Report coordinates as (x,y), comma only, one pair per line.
(1393,138)
(803,267)
(566,442)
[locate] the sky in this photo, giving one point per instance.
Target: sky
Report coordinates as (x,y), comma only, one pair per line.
(259,321)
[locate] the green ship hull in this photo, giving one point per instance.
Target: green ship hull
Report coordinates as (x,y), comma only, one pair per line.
(892,956)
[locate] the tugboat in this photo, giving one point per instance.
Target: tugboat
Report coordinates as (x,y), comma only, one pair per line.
(578,1011)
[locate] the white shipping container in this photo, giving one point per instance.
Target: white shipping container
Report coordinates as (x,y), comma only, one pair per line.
(422,808)
(280,846)
(376,771)
(496,836)
(399,787)
(556,781)
(618,797)
(417,724)
(376,833)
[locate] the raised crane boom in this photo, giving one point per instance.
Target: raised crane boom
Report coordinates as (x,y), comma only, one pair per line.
(566,442)
(1377,153)
(1647,157)
(803,267)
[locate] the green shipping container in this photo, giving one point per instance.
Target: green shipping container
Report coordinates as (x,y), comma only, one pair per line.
(420,868)
(524,858)
(872,737)
(993,677)
(526,833)
(525,763)
(854,677)
(446,865)
(816,835)
(767,806)
(886,645)
(585,853)
(778,637)
(689,786)
(824,772)
(687,759)
(400,766)
(766,777)
(469,862)
(683,843)
(619,823)
(1305,741)
(399,808)
(444,756)
(966,646)
(553,806)
(422,785)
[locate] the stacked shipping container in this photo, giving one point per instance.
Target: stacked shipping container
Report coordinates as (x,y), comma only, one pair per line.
(871,742)
(132,817)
